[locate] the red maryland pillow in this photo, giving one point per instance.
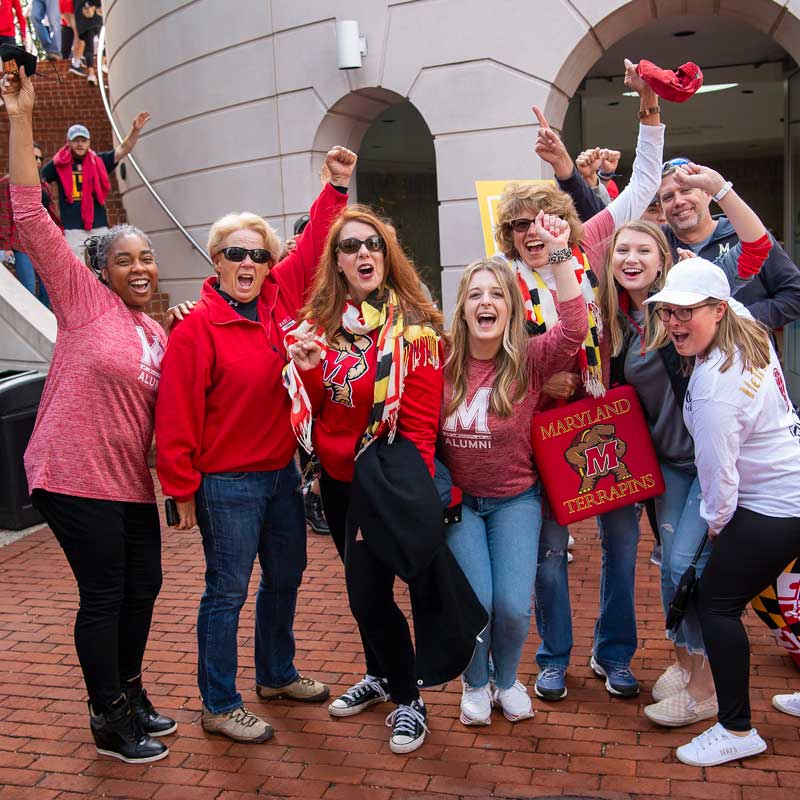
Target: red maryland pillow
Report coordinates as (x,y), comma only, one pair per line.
(595,455)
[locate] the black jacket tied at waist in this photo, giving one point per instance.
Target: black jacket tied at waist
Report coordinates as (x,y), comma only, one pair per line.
(394,502)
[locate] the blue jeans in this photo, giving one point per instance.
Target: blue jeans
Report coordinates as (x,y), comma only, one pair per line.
(681,528)
(495,544)
(243,515)
(26,275)
(49,38)
(615,639)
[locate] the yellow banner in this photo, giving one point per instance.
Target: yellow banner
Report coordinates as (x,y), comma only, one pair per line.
(489,193)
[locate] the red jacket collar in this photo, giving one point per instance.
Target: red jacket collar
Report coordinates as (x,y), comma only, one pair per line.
(221,313)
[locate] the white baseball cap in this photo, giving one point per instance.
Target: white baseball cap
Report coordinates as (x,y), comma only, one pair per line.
(692,281)
(77,130)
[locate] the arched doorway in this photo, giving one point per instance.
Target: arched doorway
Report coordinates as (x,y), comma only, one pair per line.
(396,171)
(746,123)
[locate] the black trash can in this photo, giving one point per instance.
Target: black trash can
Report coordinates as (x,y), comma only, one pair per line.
(20,392)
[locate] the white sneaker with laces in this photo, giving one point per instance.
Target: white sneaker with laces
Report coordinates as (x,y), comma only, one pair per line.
(515,702)
(476,704)
(718,746)
(788,703)
(673,680)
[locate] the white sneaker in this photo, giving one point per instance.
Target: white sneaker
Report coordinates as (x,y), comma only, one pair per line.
(717,746)
(570,557)
(515,702)
(673,680)
(788,703)
(681,709)
(570,542)
(476,705)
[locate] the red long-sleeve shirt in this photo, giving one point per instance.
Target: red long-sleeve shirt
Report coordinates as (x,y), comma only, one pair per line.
(221,405)
(341,391)
(7,10)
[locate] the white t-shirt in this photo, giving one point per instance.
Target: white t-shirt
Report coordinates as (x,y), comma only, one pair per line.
(746,440)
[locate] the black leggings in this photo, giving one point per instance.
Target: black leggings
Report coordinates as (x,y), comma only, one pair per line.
(749,553)
(114,550)
(385,635)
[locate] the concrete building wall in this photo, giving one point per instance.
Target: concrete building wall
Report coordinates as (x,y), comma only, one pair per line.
(246,97)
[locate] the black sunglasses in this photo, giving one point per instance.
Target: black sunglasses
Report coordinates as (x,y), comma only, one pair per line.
(259,255)
(521,225)
(682,314)
(674,163)
(352,245)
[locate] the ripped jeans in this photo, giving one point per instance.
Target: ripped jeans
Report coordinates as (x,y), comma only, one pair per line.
(681,528)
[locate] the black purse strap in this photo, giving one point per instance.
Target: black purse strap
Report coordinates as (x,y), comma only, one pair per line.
(700,549)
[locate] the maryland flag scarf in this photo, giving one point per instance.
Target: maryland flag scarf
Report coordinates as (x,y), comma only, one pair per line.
(542,315)
(399,347)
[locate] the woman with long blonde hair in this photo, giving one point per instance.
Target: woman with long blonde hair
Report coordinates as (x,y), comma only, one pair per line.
(366,366)
(636,267)
(493,375)
(747,453)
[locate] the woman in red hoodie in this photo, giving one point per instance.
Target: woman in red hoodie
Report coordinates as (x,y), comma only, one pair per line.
(225,452)
(368,317)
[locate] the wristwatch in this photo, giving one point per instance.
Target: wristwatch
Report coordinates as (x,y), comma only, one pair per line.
(557,256)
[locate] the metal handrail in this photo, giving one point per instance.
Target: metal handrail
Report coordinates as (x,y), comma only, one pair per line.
(101,46)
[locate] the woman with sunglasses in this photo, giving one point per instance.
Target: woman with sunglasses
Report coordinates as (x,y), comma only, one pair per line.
(615,638)
(86,462)
(747,452)
(493,375)
(225,452)
(637,264)
(367,310)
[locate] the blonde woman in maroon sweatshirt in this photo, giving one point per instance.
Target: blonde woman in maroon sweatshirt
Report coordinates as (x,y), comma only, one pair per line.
(493,376)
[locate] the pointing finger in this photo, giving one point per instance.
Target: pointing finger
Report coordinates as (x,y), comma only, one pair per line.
(540,116)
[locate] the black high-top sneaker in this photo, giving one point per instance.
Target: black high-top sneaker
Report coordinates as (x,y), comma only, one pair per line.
(151,721)
(117,733)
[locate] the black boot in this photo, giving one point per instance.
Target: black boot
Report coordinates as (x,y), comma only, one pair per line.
(151,722)
(117,733)
(315,517)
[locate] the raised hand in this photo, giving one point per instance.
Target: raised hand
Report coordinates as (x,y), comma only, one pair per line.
(609,160)
(695,176)
(305,352)
(552,230)
(142,118)
(19,96)
(632,79)
(340,163)
(588,162)
(549,146)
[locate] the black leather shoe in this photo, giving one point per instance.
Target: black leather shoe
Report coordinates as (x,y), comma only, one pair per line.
(151,722)
(118,734)
(315,516)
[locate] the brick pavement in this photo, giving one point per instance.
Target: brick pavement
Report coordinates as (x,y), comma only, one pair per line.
(587,745)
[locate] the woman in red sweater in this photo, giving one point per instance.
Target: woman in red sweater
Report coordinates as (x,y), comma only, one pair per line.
(493,377)
(226,447)
(367,316)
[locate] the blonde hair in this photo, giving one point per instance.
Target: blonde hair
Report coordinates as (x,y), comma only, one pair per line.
(734,334)
(519,197)
(245,220)
(511,378)
(329,291)
(615,323)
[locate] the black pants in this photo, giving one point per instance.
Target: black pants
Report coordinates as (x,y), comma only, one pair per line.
(749,553)
(384,630)
(114,550)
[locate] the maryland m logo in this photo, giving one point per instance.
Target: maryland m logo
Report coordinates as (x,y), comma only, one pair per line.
(595,453)
(342,367)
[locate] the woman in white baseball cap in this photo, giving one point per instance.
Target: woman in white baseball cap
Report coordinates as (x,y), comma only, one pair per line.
(747,452)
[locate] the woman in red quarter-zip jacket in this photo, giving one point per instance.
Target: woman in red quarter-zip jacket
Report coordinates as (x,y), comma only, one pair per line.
(226,447)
